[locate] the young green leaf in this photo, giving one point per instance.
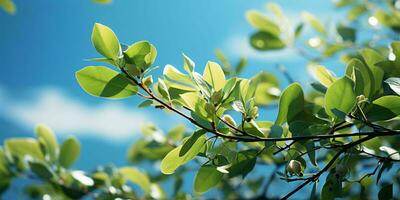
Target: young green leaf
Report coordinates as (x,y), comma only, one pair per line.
(105,41)
(291,103)
(314,22)
(188,64)
(3,164)
(46,135)
(261,22)
(340,96)
(275,8)
(207,177)
(8,6)
(141,55)
(22,147)
(69,152)
(175,75)
(323,75)
(102,1)
(173,160)
(214,75)
(187,145)
(137,177)
(101,81)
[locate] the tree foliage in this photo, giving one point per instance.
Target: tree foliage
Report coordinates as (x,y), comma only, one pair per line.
(334,138)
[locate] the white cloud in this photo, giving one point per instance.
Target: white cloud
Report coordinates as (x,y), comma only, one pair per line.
(67,115)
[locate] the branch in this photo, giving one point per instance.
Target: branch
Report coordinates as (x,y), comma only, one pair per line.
(327,166)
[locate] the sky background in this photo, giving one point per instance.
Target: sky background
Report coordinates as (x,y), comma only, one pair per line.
(43,45)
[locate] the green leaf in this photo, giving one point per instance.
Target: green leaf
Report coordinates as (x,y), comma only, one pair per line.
(265,41)
(46,135)
(203,86)
(141,55)
(314,22)
(41,170)
(384,108)
(145,103)
(69,152)
(214,75)
(188,64)
(23,146)
(275,8)
(367,78)
(8,6)
(340,96)
(386,192)
(177,133)
(101,81)
(261,22)
(207,177)
(323,75)
(190,99)
(105,41)
(333,186)
(356,11)
(163,89)
(173,160)
(372,57)
(174,74)
(244,163)
(102,1)
(137,177)
(291,103)
(346,33)
(3,164)
(394,84)
(187,145)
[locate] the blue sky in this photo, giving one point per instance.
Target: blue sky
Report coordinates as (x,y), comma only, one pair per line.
(43,45)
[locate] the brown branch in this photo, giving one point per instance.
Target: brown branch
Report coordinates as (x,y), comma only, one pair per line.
(316,176)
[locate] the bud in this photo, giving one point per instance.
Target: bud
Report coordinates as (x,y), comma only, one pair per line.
(147,81)
(294,167)
(254,112)
(228,119)
(361,99)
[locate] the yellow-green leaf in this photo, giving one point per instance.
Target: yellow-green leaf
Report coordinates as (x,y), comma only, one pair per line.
(314,22)
(173,160)
(261,22)
(323,75)
(23,146)
(105,41)
(69,152)
(101,81)
(214,75)
(137,177)
(45,134)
